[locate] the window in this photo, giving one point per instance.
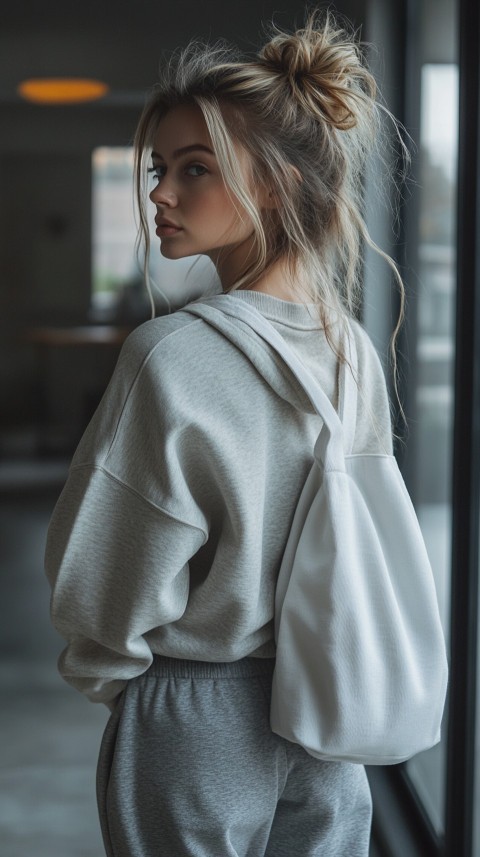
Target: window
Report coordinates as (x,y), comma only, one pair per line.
(426,807)
(431,433)
(113,223)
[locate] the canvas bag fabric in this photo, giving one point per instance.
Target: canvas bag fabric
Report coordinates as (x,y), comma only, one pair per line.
(361,667)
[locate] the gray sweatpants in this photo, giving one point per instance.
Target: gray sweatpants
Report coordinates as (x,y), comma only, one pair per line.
(189,766)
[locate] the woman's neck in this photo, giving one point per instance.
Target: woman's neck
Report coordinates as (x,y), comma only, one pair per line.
(276,281)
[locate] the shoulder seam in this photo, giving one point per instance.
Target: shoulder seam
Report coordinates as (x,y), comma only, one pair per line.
(135,379)
(139,495)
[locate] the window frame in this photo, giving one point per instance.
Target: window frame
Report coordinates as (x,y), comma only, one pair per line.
(400,824)
(466,453)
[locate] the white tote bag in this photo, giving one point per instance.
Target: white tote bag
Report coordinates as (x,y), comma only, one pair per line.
(361,667)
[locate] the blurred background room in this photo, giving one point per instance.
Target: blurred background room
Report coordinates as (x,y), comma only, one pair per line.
(71,290)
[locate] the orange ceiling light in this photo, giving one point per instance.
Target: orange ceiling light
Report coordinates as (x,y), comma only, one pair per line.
(62,90)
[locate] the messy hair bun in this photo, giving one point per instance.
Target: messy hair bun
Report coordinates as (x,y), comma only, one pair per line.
(323,71)
(304,110)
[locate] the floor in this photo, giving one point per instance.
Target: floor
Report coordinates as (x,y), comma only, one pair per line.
(50,733)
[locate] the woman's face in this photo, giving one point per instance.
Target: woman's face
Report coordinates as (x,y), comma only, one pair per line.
(195,214)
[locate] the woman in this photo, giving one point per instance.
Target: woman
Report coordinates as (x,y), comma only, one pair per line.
(165,544)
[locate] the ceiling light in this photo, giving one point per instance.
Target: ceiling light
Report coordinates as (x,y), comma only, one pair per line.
(61,90)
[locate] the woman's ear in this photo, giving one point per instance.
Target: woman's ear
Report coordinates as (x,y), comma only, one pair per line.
(267,197)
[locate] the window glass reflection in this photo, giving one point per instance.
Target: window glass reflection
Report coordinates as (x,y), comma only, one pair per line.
(432,433)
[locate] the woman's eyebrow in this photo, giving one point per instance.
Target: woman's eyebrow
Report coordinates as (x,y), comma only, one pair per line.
(192,148)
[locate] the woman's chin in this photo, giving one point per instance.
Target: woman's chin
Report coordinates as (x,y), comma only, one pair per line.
(171,252)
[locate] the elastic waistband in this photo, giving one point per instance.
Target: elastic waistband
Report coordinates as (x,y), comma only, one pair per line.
(179,668)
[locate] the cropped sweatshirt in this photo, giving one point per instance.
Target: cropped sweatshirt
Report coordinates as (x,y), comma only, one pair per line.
(169,533)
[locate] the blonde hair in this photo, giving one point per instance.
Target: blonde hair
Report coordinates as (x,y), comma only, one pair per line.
(306,110)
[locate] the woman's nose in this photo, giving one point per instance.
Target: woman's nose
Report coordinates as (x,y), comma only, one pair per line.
(163,194)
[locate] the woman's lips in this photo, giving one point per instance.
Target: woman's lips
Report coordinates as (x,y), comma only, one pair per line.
(164,231)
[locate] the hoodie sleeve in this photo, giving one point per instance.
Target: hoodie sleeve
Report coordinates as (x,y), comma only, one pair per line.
(118,568)
(119,543)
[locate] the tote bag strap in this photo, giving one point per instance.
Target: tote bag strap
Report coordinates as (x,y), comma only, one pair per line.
(348,390)
(329,448)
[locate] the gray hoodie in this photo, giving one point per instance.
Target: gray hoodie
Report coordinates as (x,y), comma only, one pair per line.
(170,530)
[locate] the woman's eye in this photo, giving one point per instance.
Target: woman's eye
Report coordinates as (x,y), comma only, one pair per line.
(157,172)
(193,170)
(196,170)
